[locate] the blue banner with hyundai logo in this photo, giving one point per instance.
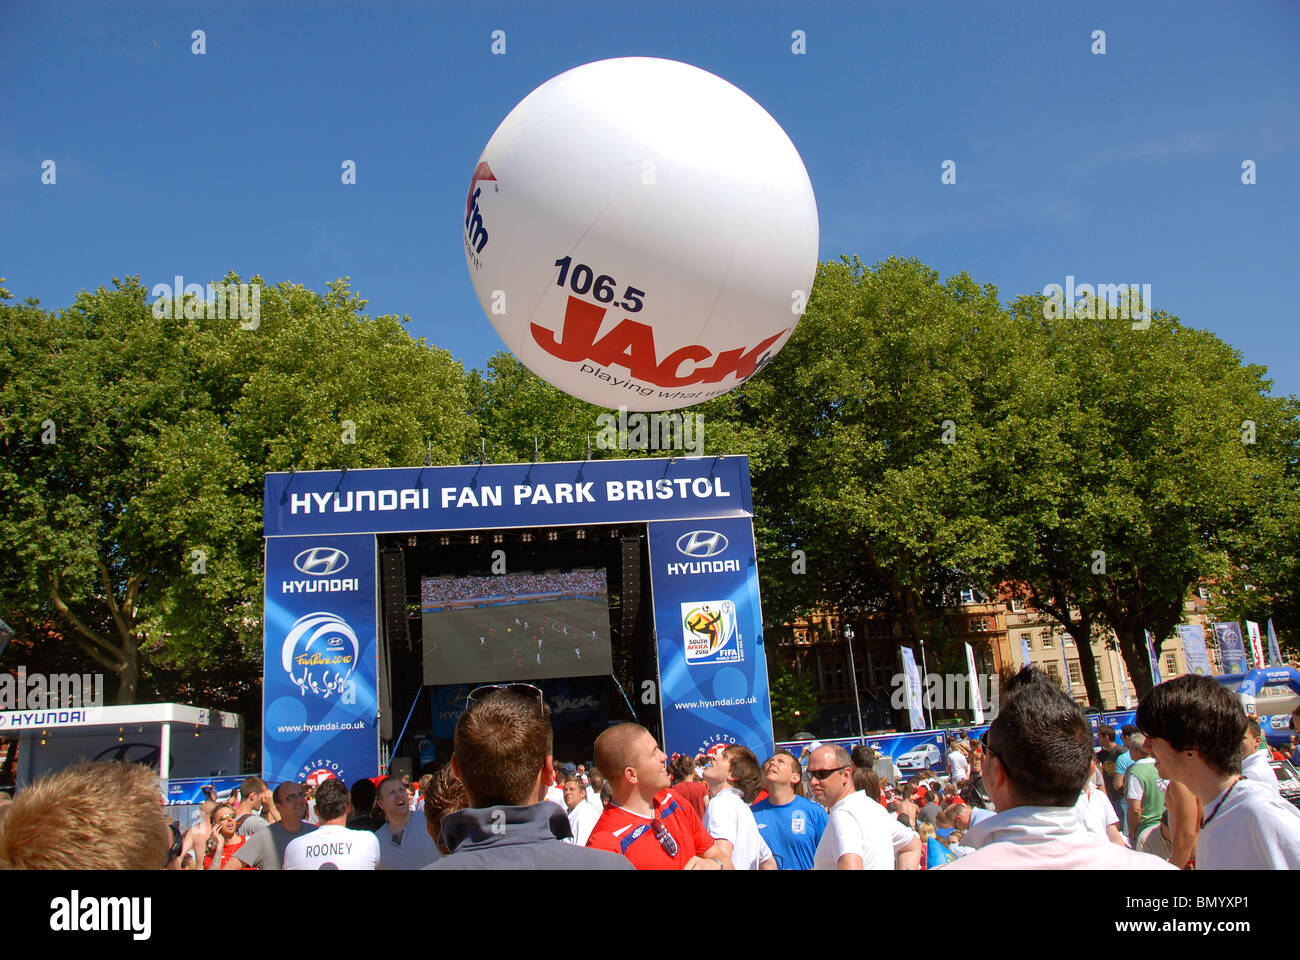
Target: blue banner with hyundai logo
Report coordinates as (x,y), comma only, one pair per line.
(319,642)
(712,665)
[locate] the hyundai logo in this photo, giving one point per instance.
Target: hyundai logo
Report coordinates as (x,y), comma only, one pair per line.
(701,543)
(321,561)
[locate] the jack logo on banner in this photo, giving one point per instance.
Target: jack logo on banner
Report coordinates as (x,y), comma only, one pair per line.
(318,697)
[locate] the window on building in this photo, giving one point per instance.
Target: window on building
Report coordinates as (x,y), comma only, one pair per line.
(1054,671)
(968,596)
(1048,642)
(1076,675)
(979,625)
(879,629)
(1171,665)
(1017,606)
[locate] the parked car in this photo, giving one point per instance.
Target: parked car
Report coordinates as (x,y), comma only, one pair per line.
(924,757)
(1288,780)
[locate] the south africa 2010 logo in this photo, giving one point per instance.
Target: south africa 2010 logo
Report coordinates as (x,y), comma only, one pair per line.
(710,634)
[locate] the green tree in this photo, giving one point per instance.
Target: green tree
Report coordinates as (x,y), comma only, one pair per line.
(794,700)
(1136,481)
(134,451)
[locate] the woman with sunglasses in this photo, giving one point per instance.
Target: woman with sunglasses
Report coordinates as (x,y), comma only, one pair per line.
(224,839)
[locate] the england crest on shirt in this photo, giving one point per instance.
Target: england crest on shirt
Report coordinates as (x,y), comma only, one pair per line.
(797,823)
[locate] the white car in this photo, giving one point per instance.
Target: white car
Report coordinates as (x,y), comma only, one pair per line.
(924,757)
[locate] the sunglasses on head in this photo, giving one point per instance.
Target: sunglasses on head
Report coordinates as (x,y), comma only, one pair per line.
(479,694)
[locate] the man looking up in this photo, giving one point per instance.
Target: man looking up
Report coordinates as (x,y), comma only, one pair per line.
(503,755)
(790,824)
(644,820)
(1038,757)
(265,849)
(1194,728)
(734,783)
(860,834)
(401,848)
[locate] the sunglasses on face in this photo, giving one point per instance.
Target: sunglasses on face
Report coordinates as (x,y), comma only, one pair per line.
(824,774)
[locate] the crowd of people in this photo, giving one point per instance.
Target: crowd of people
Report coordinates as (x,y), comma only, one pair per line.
(1188,786)
(443,591)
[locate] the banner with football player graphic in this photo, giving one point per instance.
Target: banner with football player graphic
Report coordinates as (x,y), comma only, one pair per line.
(708,625)
(319,703)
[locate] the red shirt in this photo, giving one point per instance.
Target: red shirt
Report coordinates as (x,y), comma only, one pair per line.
(695,793)
(621,831)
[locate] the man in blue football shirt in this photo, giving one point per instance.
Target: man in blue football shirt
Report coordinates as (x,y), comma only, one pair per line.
(789,823)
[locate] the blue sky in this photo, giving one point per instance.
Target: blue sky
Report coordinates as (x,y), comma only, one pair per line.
(1124,167)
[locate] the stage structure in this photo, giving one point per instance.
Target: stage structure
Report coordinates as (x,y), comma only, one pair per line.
(334,598)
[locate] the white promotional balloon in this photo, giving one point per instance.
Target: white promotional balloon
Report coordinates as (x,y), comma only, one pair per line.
(641,233)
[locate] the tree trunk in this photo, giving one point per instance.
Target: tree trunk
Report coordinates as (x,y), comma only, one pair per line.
(1081,632)
(1132,647)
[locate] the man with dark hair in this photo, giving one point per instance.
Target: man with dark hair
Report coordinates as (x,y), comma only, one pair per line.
(362,796)
(1107,754)
(733,780)
(790,824)
(332,845)
(644,820)
(1038,758)
(265,849)
(860,834)
(503,755)
(1194,728)
(1254,763)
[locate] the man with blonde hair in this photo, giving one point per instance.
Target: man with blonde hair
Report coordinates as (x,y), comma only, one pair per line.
(644,821)
(91,816)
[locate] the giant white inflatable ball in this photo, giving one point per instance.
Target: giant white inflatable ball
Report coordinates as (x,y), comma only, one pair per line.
(641,233)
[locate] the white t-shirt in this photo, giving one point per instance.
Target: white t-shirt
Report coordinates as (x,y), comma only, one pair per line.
(581,819)
(1256,767)
(958,768)
(594,801)
(1249,827)
(861,826)
(1135,788)
(728,818)
(1096,812)
(333,848)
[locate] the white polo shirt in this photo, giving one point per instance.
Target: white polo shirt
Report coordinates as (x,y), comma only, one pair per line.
(727,817)
(861,826)
(1257,767)
(1249,827)
(581,819)
(1095,811)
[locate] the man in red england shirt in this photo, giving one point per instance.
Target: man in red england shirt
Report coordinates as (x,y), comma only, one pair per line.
(644,821)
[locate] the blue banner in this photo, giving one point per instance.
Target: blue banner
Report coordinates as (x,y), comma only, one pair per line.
(319,702)
(913,753)
(1025,661)
(712,664)
(1198,659)
(488,496)
(1232,649)
(1274,651)
(912,690)
(1153,659)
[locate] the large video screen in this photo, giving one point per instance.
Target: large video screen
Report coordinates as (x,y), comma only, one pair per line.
(516,626)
